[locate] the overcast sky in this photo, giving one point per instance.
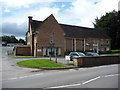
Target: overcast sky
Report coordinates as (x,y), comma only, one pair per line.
(74,12)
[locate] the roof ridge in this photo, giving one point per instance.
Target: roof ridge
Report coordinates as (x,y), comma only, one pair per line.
(78,26)
(69,25)
(37,21)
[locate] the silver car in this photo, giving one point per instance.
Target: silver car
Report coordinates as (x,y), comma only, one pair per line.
(75,55)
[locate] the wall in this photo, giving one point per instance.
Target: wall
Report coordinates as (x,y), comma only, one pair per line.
(24,51)
(97,60)
(48,27)
(89,41)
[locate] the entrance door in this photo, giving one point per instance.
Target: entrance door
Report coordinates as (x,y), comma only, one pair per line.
(51,51)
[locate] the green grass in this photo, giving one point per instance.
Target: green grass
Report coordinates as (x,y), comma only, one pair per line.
(70,64)
(115,50)
(10,53)
(24,56)
(43,63)
(111,52)
(116,53)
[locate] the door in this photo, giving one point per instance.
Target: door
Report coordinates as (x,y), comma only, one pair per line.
(51,51)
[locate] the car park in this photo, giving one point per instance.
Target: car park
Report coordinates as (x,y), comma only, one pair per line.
(75,55)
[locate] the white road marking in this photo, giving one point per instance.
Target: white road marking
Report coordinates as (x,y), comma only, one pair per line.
(91,80)
(111,75)
(66,86)
(12,78)
(24,76)
(85,81)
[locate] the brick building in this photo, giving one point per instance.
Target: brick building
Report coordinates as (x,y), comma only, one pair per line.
(50,37)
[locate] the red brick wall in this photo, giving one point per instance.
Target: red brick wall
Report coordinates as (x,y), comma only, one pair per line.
(68,44)
(24,51)
(50,26)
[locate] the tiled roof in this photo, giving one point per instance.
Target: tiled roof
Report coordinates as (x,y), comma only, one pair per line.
(35,24)
(82,32)
(76,31)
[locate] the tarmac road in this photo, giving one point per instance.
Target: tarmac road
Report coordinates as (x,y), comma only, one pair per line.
(97,77)
(94,77)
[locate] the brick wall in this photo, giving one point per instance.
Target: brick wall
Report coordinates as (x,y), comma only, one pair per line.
(50,26)
(68,44)
(89,45)
(97,60)
(22,51)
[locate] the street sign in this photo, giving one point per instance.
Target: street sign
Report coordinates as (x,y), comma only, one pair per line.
(67,58)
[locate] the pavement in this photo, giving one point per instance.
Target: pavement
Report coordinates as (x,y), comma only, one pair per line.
(18,77)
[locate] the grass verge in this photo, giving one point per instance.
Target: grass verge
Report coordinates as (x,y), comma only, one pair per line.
(10,53)
(40,63)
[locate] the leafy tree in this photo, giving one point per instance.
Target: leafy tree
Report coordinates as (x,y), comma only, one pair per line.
(21,41)
(110,24)
(9,39)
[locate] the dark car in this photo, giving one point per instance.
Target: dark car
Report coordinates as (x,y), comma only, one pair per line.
(91,54)
(75,55)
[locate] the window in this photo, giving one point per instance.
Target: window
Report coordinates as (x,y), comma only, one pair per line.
(95,41)
(74,44)
(51,38)
(107,41)
(82,43)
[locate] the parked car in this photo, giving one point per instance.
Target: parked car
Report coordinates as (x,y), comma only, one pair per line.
(75,55)
(91,54)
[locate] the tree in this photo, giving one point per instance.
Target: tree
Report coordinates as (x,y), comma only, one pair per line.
(110,24)
(9,39)
(21,41)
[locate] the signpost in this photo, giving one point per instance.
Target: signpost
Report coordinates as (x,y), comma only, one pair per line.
(67,58)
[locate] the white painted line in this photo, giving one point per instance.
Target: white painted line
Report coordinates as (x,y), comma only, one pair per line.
(91,80)
(13,78)
(111,75)
(66,86)
(24,76)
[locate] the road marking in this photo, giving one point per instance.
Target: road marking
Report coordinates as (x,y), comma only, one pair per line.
(66,86)
(85,81)
(111,75)
(24,76)
(12,78)
(91,80)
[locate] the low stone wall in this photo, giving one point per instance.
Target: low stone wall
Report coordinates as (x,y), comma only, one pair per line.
(22,51)
(97,60)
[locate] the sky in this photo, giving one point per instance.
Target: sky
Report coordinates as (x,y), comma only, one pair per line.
(14,13)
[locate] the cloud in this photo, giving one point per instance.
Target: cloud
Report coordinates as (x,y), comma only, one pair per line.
(15,3)
(14,29)
(7,10)
(78,12)
(86,11)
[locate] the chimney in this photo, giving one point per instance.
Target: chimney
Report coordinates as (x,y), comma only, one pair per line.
(30,18)
(29,22)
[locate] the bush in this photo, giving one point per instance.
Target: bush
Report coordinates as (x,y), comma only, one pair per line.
(20,55)
(105,52)
(67,52)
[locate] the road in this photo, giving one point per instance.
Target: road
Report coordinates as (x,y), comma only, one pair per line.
(93,77)
(97,77)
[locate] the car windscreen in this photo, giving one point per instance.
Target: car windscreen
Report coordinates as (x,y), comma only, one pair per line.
(81,54)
